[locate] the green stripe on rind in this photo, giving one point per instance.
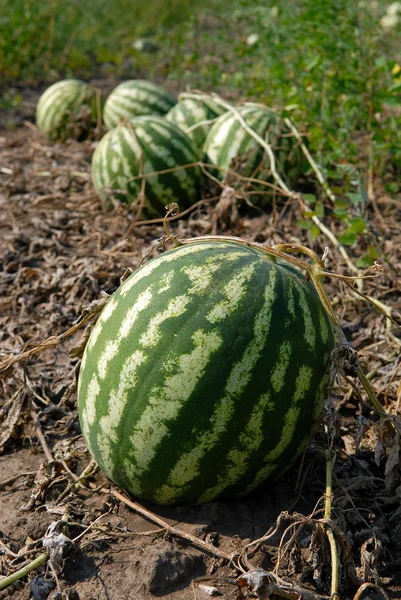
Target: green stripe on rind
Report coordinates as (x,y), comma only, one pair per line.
(187,113)
(60,107)
(228,139)
(135,98)
(189,464)
(154,145)
(257,386)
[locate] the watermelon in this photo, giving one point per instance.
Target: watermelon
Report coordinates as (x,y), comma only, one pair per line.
(229,144)
(195,117)
(135,98)
(205,374)
(146,145)
(69,109)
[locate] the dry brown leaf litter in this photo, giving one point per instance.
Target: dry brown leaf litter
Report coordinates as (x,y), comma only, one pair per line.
(60,250)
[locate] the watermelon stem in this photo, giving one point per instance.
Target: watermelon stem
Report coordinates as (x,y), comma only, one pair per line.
(201,124)
(365,586)
(34,564)
(328,529)
(310,159)
(172,210)
(98,108)
(329,486)
(149,515)
(373,398)
(329,194)
(334,562)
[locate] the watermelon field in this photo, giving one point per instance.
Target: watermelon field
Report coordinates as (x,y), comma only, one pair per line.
(200,300)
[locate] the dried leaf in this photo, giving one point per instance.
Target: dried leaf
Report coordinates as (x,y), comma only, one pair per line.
(349,444)
(263,585)
(57,544)
(94,309)
(45,475)
(372,554)
(10,425)
(393,459)
(226,209)
(209,590)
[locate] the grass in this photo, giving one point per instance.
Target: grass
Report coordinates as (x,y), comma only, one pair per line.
(52,39)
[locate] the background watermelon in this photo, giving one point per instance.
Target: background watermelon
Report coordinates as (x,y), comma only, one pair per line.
(147,144)
(192,114)
(228,141)
(135,98)
(69,109)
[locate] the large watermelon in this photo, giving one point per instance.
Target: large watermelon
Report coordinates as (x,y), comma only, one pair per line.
(147,145)
(134,98)
(69,109)
(229,144)
(195,117)
(205,374)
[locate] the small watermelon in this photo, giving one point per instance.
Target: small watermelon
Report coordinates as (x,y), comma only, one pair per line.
(195,117)
(135,98)
(69,109)
(145,145)
(228,144)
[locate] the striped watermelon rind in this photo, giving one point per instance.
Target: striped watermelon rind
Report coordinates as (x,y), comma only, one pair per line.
(228,142)
(195,117)
(69,109)
(205,374)
(147,144)
(135,98)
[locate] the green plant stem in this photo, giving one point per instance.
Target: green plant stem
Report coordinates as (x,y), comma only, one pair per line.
(311,161)
(332,197)
(370,392)
(329,531)
(334,563)
(6,581)
(373,586)
(329,488)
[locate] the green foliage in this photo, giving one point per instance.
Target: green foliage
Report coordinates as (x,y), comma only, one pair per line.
(52,39)
(11,99)
(369,258)
(348,211)
(333,63)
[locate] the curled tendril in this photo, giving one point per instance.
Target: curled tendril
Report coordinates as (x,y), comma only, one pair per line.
(172,210)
